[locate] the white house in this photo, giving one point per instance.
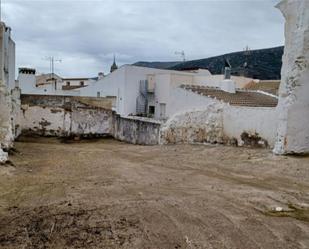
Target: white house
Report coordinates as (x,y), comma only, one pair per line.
(47,84)
(147,91)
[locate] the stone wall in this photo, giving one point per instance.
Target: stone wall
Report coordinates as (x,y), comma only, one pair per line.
(136,130)
(65,116)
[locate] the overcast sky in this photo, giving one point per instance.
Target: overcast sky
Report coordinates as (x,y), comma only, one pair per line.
(85,34)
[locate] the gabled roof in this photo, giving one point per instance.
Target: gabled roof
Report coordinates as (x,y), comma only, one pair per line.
(240,98)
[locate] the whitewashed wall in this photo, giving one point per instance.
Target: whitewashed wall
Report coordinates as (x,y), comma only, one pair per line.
(63,116)
(181,100)
(293,128)
(191,115)
(259,120)
(215,80)
(11,62)
(111,85)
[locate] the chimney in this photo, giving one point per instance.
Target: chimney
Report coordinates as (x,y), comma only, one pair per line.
(26,79)
(227,73)
(100,75)
(228,86)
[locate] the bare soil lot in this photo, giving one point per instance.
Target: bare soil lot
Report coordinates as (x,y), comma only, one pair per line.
(107,194)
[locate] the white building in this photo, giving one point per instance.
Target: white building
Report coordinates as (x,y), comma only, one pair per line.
(49,84)
(148,91)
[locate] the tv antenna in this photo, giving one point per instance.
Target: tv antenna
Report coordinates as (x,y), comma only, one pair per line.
(247,50)
(182,54)
(52,61)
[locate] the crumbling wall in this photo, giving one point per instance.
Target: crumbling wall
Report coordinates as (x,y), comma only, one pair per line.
(293,107)
(65,116)
(221,123)
(136,130)
(195,126)
(48,115)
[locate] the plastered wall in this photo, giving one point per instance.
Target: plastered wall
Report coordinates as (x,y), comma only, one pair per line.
(65,116)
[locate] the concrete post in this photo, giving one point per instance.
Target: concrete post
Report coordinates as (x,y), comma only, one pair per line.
(6,134)
(293,106)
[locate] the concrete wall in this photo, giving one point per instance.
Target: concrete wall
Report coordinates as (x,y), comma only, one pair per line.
(136,131)
(65,116)
(293,106)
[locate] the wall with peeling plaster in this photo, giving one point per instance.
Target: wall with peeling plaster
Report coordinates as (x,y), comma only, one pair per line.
(135,130)
(201,119)
(65,116)
(6,135)
(293,107)
(195,126)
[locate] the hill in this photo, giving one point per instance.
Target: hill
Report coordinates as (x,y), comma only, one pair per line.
(264,64)
(157,64)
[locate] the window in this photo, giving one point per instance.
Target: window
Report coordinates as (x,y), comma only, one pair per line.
(68,83)
(151,110)
(98,94)
(162,110)
(82,83)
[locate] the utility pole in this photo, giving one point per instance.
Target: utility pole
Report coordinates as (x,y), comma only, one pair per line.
(52,61)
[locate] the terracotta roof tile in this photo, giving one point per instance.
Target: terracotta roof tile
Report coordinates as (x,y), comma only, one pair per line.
(240,98)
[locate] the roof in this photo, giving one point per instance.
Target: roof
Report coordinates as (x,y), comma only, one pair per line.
(71,87)
(65,79)
(269,86)
(240,98)
(192,68)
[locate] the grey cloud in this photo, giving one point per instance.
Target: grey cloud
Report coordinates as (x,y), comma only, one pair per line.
(86,33)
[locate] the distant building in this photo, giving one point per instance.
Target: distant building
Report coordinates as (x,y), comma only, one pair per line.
(74,83)
(149,92)
(114,66)
(52,84)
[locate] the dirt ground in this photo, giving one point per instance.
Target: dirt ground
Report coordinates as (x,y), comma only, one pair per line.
(108,194)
